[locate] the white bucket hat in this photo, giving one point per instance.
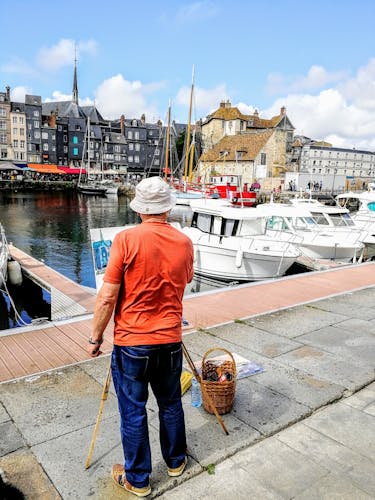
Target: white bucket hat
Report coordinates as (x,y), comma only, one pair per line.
(152,196)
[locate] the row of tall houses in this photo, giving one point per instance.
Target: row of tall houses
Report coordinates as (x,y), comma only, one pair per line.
(266,150)
(64,133)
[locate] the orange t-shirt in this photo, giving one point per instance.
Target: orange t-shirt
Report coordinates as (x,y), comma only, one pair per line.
(153,262)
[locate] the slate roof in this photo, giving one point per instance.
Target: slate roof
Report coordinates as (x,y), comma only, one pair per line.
(92,113)
(249,145)
(67,109)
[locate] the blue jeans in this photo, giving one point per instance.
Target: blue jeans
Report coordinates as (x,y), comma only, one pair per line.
(133,368)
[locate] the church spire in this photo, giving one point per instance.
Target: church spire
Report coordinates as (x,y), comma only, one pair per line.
(75,84)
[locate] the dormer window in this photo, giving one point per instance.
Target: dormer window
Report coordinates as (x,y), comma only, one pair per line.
(134,123)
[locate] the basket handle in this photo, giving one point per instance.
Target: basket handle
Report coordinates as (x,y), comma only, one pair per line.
(226,352)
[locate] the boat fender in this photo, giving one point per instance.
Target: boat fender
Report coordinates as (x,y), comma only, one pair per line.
(14,273)
(239,256)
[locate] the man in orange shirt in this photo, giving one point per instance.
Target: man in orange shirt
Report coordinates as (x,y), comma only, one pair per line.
(148,269)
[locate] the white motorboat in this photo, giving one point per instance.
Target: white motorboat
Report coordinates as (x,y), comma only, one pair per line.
(317,243)
(231,244)
(339,219)
(4,256)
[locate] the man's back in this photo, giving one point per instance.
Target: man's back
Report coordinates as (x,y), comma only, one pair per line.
(153,262)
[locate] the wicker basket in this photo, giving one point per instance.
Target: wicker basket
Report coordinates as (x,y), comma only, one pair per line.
(221,393)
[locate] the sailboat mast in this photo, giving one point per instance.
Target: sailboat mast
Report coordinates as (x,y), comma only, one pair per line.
(167,146)
(188,128)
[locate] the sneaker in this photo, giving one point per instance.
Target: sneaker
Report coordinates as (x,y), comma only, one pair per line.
(178,470)
(118,475)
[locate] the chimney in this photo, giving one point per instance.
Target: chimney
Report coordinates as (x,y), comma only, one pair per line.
(282,111)
(7,89)
(256,113)
(228,104)
(52,120)
(122,125)
(222,104)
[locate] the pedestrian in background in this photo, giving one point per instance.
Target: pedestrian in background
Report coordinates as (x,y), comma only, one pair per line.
(148,269)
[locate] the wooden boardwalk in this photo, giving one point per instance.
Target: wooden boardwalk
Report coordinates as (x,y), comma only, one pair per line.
(33,350)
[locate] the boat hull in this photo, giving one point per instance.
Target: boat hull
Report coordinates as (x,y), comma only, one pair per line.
(236,259)
(92,190)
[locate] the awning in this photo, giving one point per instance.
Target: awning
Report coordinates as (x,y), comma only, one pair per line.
(9,166)
(71,170)
(44,169)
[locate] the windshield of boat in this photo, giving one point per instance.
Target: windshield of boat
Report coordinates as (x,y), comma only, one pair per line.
(340,220)
(302,222)
(320,219)
(277,223)
(251,227)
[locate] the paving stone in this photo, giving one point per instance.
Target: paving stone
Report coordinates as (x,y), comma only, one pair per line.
(59,402)
(364,297)
(349,344)
(343,303)
(362,398)
(206,486)
(23,471)
(357,325)
(348,426)
(11,438)
(73,481)
(4,417)
(296,384)
(295,321)
(264,409)
(333,487)
(331,454)
(244,335)
(326,366)
(370,409)
(279,468)
(206,440)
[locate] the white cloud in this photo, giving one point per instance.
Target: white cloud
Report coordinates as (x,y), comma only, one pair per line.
(63,53)
(18,93)
(116,96)
(317,77)
(342,114)
(361,89)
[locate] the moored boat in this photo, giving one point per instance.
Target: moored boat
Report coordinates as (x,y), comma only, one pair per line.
(316,243)
(230,243)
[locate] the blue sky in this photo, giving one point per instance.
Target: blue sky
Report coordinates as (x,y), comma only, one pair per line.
(316,58)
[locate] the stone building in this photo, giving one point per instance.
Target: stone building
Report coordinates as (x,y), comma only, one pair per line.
(18,132)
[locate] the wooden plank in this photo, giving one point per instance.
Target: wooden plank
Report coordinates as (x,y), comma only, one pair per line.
(36,357)
(12,362)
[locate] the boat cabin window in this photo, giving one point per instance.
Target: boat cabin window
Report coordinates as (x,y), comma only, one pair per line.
(252,226)
(215,224)
(304,222)
(340,220)
(202,222)
(320,219)
(347,219)
(276,223)
(229,227)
